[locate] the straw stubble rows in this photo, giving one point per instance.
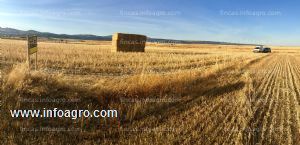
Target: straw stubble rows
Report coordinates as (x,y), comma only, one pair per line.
(221,94)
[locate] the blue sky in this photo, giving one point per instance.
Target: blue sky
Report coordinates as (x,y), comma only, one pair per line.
(243,21)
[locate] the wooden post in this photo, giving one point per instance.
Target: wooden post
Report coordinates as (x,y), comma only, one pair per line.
(28,54)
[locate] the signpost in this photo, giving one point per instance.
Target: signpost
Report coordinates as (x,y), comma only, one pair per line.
(32,48)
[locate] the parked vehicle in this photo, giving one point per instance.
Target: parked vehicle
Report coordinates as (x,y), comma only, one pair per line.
(257,49)
(262,49)
(267,50)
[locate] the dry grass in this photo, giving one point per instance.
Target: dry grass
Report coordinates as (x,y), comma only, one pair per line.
(217,93)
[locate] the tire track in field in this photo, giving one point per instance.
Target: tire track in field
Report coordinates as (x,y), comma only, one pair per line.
(266,126)
(262,105)
(264,108)
(275,133)
(272,69)
(287,135)
(271,120)
(268,118)
(262,87)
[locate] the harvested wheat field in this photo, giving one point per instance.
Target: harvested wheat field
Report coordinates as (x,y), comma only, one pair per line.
(170,94)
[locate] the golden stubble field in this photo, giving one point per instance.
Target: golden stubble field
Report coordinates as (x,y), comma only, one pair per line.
(171,94)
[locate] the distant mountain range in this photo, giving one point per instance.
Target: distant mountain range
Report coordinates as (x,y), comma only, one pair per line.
(10,32)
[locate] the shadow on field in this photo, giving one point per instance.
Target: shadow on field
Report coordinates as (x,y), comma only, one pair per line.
(206,88)
(168,110)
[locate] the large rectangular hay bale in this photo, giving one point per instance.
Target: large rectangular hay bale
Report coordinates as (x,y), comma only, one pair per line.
(122,42)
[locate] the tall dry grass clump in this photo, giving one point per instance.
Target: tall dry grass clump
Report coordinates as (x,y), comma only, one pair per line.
(17,76)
